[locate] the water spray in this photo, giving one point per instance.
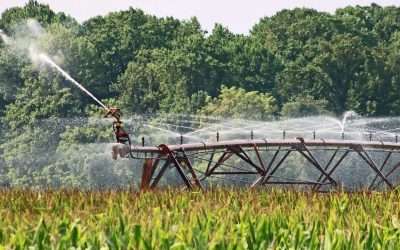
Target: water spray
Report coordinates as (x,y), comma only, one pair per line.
(47,59)
(121,135)
(6,39)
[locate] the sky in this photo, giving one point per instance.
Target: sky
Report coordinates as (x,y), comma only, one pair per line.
(238,16)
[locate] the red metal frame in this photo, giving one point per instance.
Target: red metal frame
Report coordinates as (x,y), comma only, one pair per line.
(253,154)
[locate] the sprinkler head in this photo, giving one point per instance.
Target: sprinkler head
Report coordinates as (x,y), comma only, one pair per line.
(113,112)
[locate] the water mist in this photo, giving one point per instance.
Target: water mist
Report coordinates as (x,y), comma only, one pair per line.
(47,60)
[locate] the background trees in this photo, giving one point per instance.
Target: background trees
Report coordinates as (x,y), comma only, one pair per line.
(151,64)
(237,103)
(298,62)
(301,106)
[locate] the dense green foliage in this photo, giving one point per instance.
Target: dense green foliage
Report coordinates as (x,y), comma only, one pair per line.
(218,219)
(295,63)
(301,106)
(237,103)
(350,59)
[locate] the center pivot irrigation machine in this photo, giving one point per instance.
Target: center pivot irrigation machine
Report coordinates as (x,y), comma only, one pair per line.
(316,164)
(329,164)
(263,159)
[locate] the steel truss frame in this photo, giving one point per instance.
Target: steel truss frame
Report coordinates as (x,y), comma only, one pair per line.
(183,157)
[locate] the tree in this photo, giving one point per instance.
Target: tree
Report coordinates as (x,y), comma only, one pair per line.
(241,61)
(298,79)
(119,36)
(163,80)
(237,103)
(12,18)
(10,78)
(77,56)
(116,38)
(390,95)
(43,95)
(141,86)
(301,106)
(343,61)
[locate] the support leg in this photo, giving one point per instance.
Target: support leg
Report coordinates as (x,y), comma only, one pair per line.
(180,170)
(190,167)
(396,166)
(160,174)
(259,157)
(239,152)
(147,173)
(373,166)
(328,164)
(224,157)
(314,162)
(267,177)
(380,169)
(317,187)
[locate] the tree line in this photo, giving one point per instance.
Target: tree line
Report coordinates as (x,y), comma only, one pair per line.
(346,60)
(297,62)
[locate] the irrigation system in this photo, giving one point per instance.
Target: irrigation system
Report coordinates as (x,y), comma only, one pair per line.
(262,160)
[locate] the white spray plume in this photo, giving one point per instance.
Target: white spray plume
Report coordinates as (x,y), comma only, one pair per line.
(4,37)
(48,60)
(26,43)
(35,28)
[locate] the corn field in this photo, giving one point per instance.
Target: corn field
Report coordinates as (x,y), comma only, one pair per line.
(216,219)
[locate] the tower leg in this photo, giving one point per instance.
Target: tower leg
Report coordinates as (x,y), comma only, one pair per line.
(147,174)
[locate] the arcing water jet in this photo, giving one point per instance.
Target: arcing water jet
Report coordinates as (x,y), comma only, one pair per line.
(348,114)
(47,60)
(121,135)
(35,54)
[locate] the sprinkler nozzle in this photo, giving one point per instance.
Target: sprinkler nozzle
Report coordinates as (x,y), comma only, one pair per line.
(113,112)
(120,134)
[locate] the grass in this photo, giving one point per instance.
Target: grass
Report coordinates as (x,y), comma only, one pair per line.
(216,219)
